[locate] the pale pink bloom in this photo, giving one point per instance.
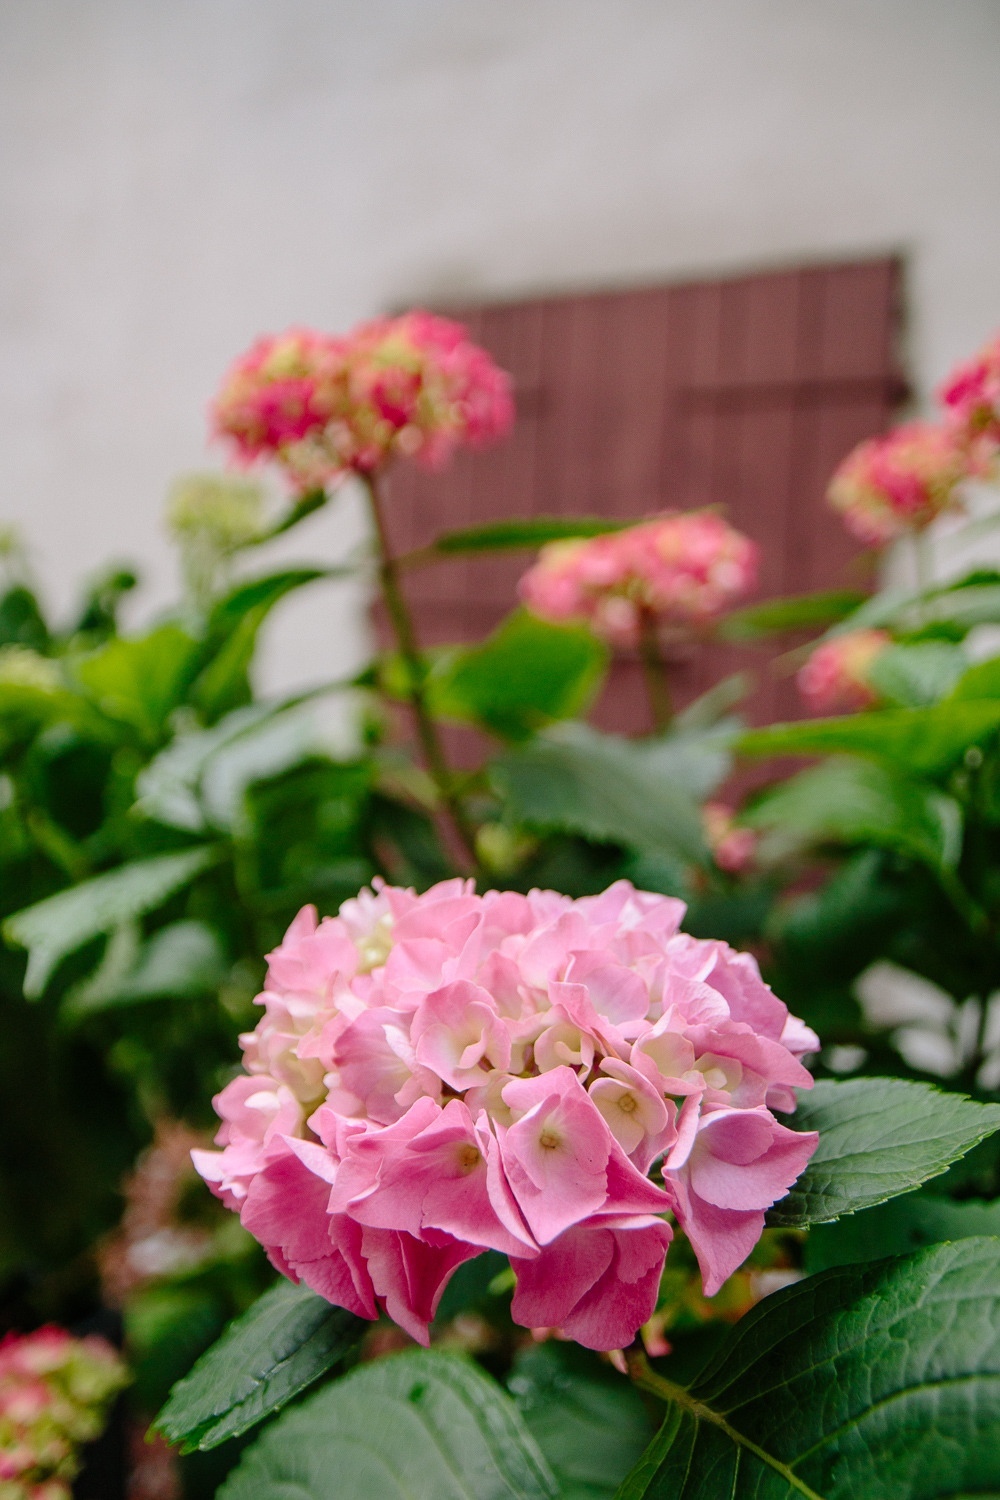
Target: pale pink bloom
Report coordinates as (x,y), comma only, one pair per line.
(835,678)
(675,569)
(597,1283)
(737,1163)
(451,1073)
(892,485)
(971,398)
(324,406)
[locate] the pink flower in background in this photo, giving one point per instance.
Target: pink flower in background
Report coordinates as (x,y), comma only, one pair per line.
(732,847)
(892,485)
(681,569)
(971,398)
(835,678)
(323,406)
(441,1074)
(53,1393)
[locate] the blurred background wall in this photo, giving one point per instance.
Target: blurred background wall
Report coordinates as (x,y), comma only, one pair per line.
(177,178)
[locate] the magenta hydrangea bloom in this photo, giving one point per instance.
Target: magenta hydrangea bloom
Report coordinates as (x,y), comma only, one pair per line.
(971,398)
(442,1074)
(890,486)
(324,406)
(835,678)
(679,569)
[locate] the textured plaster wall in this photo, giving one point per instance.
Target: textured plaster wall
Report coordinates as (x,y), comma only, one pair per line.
(176,177)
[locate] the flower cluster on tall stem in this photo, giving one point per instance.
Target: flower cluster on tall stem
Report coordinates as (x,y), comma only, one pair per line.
(442,1074)
(668,575)
(325,406)
(896,485)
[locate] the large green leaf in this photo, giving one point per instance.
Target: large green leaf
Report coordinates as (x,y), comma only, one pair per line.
(289,1337)
(797,612)
(860,802)
(898,1228)
(601,786)
(510,536)
(223,684)
(590,1424)
(140,682)
(922,741)
(525,675)
(874,1382)
(418,1426)
(878,1138)
(979,682)
(917,676)
(181,961)
(62,923)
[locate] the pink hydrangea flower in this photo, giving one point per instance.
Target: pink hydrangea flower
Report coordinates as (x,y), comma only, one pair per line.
(323,406)
(835,678)
(971,398)
(442,1074)
(892,485)
(732,847)
(53,1392)
(679,569)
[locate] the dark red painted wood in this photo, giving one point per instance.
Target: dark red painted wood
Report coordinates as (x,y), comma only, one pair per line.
(743,393)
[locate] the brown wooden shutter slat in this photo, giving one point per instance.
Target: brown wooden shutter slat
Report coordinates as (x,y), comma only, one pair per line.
(742,393)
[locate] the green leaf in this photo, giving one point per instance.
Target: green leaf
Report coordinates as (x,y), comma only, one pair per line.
(181,961)
(223,685)
(523,676)
(417,1426)
(878,1138)
(917,676)
(21,621)
(512,535)
(289,1337)
(898,1228)
(875,1381)
(922,741)
(62,923)
(303,506)
(589,1423)
(584,782)
(979,682)
(858,802)
(140,682)
(797,612)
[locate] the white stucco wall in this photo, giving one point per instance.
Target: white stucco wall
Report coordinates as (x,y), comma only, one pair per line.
(177,177)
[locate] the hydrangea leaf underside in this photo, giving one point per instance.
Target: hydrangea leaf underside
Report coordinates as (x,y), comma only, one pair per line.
(878,1137)
(420,1426)
(874,1380)
(289,1337)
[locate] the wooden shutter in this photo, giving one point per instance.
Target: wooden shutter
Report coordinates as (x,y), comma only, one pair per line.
(743,393)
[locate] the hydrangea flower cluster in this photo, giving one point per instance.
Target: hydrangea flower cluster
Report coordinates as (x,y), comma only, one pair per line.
(835,678)
(53,1393)
(971,398)
(900,483)
(679,569)
(324,406)
(442,1074)
(732,847)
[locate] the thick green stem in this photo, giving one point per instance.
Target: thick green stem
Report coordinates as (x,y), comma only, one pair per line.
(406,641)
(655,675)
(647,1380)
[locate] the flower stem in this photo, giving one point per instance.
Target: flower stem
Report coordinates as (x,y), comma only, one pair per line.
(406,642)
(655,675)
